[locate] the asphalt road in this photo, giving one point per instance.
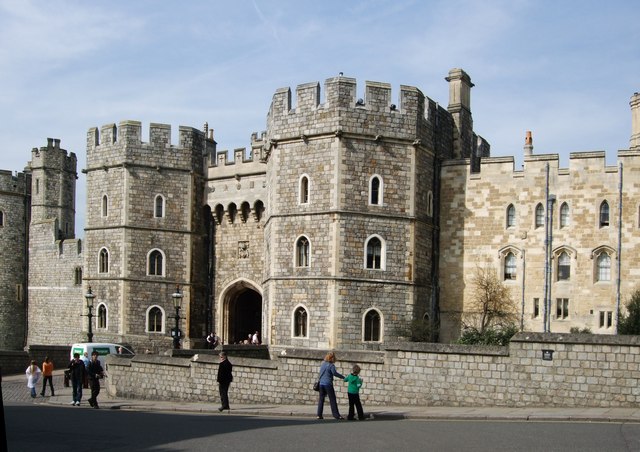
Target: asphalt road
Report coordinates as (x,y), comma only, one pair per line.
(35,426)
(60,428)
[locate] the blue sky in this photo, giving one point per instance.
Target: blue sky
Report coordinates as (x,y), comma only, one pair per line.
(564,69)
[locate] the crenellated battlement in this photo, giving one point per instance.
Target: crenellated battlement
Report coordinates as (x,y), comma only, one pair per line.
(340,92)
(53,156)
(19,183)
(117,144)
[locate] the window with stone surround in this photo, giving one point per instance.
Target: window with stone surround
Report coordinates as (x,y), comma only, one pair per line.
(105,206)
(159,207)
(536,308)
(77,276)
(604,214)
(565,220)
(300,322)
(605,319)
(510,267)
(374,258)
(564,266)
(511,216)
(371,327)
(303,189)
(102,316)
(155,263)
(302,252)
(103,261)
(1,218)
(603,267)
(19,293)
(375,190)
(562,308)
(155,320)
(539,221)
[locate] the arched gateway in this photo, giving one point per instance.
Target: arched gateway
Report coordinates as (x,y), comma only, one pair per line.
(241,312)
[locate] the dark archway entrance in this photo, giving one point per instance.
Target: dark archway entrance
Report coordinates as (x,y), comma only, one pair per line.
(244,315)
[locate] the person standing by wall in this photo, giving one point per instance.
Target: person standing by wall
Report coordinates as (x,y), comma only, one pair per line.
(353,391)
(47,373)
(225,377)
(327,372)
(78,372)
(33,375)
(96,373)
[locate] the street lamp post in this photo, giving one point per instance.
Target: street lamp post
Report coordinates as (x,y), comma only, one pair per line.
(89,296)
(177,303)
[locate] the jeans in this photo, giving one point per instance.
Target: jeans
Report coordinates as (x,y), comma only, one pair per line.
(33,391)
(94,383)
(76,383)
(324,391)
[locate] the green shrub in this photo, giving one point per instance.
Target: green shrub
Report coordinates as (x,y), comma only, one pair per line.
(630,322)
(490,336)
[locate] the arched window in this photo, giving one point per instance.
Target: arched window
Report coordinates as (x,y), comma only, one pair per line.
(374,250)
(603,270)
(105,205)
(510,266)
(155,263)
(1,218)
(564,215)
(232,212)
(155,320)
(102,316)
(604,214)
(103,264)
(245,211)
(158,207)
(511,216)
(375,190)
(258,210)
(564,266)
(219,213)
(372,326)
(300,319)
(539,216)
(302,252)
(303,190)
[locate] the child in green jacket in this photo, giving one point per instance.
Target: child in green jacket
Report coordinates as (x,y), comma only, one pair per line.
(353,391)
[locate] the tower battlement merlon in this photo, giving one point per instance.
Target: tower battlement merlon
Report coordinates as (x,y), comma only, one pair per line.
(53,156)
(307,96)
(160,135)
(18,183)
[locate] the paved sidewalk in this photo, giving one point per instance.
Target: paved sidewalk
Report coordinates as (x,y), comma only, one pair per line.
(14,389)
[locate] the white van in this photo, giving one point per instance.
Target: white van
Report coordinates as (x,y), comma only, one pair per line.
(102,349)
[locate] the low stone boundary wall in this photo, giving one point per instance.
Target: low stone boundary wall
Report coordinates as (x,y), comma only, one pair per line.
(14,362)
(534,370)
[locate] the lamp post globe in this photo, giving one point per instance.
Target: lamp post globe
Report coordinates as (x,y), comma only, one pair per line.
(90,297)
(177,304)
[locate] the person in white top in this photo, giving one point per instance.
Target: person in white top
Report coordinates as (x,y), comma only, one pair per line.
(33,376)
(255,340)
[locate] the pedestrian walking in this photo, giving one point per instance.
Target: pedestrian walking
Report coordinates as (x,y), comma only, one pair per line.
(327,372)
(353,391)
(47,373)
(96,373)
(33,375)
(225,377)
(78,373)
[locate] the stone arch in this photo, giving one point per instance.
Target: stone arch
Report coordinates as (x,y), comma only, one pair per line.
(241,308)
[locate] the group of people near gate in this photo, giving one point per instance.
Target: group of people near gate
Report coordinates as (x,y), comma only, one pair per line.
(80,370)
(85,368)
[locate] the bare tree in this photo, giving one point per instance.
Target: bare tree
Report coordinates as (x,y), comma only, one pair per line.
(492,305)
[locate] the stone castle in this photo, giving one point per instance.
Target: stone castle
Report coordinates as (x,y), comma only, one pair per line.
(345,221)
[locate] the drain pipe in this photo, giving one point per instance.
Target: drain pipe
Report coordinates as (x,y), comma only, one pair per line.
(619,265)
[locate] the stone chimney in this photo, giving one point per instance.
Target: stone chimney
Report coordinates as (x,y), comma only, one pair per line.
(460,108)
(528,144)
(634,142)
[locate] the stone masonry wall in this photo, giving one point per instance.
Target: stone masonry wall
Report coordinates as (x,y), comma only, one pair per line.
(14,204)
(552,370)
